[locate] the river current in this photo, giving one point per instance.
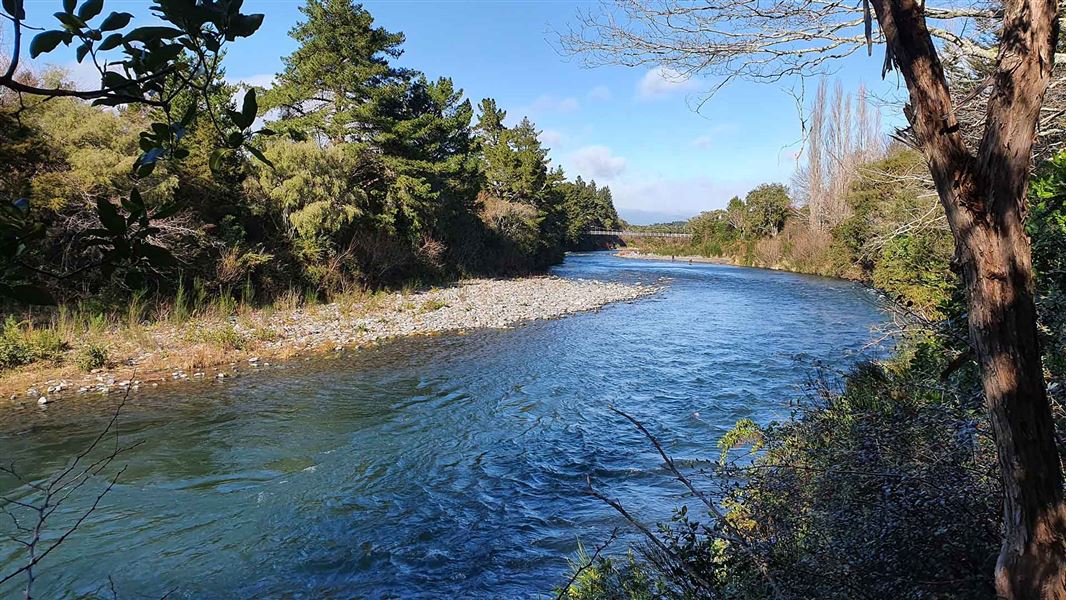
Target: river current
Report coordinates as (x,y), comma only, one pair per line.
(439,467)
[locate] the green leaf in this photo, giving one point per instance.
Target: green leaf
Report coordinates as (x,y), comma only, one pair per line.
(148,34)
(158,256)
(234,116)
(110,218)
(70,21)
(256,152)
(111,42)
(112,79)
(249,110)
(90,9)
(14,8)
(31,294)
(235,139)
(145,169)
(82,51)
(190,114)
(46,42)
(116,20)
(68,5)
(167,210)
(218,157)
(243,26)
(134,204)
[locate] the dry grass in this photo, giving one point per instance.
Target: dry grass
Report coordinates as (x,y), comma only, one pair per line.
(196,332)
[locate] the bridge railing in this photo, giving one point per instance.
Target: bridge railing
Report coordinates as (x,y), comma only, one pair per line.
(625,233)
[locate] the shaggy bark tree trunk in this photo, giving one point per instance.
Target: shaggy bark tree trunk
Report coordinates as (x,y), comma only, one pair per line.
(984,198)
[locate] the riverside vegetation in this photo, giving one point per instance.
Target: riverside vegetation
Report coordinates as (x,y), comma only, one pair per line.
(393,183)
(884,483)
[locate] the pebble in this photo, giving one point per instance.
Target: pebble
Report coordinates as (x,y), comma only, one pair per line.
(467,305)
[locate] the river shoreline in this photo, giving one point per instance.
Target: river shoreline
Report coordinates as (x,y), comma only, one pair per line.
(218,348)
(637,254)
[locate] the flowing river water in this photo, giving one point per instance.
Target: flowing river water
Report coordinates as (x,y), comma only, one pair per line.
(440,467)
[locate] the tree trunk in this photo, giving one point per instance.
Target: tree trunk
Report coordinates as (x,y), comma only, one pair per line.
(1002,316)
(984,197)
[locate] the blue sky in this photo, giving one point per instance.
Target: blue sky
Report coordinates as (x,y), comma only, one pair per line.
(625,127)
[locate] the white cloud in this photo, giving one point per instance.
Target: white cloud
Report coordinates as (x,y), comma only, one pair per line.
(600,92)
(702,142)
(265,80)
(681,197)
(551,137)
(548,103)
(598,162)
(661,82)
(713,135)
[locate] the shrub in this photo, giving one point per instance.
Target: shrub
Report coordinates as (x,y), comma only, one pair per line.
(91,356)
(21,344)
(225,337)
(885,488)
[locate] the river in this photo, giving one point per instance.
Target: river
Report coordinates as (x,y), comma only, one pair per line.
(437,467)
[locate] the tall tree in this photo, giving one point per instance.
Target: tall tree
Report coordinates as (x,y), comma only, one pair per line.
(982,189)
(767,207)
(490,122)
(331,81)
(515,162)
(426,141)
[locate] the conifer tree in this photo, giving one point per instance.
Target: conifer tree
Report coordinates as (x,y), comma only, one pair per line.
(338,73)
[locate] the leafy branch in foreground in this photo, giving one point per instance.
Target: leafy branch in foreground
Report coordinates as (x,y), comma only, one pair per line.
(155,67)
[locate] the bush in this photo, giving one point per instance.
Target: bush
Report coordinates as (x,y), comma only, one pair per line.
(225,337)
(91,356)
(21,344)
(886,488)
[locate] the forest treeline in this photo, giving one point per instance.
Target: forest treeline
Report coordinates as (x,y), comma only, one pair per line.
(884,482)
(368,174)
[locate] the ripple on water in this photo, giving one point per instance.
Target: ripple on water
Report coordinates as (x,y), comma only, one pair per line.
(451,466)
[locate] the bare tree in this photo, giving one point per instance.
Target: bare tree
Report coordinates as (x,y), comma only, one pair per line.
(982,188)
(843,134)
(31,517)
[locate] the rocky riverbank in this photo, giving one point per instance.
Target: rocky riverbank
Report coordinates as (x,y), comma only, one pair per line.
(690,258)
(221,347)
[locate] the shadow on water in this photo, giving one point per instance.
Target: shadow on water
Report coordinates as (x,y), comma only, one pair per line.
(450,466)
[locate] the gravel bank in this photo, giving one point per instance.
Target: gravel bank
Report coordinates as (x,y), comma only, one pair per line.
(476,303)
(692,258)
(222,347)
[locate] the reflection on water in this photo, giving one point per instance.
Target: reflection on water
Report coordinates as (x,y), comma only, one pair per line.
(450,466)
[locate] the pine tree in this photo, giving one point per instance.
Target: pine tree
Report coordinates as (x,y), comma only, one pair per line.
(338,73)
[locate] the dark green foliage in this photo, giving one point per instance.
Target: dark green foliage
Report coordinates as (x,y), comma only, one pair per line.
(21,344)
(767,207)
(586,207)
(333,81)
(380,175)
(1047,228)
(155,65)
(91,357)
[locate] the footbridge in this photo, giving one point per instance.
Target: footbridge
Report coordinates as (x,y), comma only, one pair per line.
(635,234)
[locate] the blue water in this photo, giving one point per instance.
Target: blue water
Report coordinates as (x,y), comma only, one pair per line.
(443,467)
